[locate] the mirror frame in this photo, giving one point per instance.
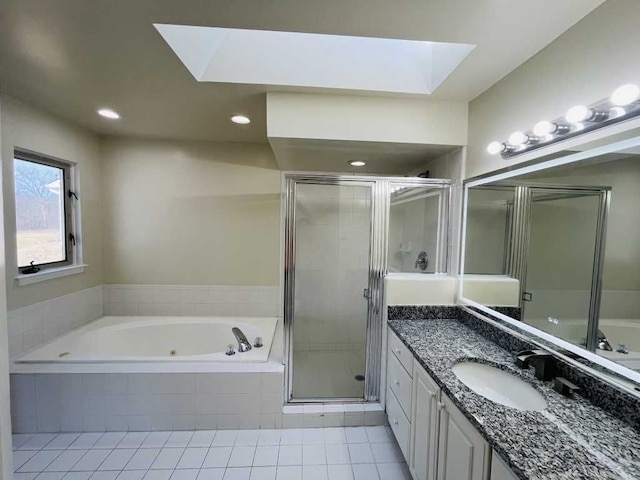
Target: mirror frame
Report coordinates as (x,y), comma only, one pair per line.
(526,168)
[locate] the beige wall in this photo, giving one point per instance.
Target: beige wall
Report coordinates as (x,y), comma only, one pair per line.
(29,128)
(583,65)
(190,213)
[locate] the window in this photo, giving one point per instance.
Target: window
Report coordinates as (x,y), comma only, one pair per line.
(44,219)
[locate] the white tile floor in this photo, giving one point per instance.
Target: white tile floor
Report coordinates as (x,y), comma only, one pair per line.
(352,453)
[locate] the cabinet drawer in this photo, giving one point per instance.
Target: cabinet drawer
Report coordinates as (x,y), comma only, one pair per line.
(401,352)
(400,383)
(399,423)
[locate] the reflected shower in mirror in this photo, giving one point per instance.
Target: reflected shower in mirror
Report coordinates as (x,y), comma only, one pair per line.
(418,228)
(559,250)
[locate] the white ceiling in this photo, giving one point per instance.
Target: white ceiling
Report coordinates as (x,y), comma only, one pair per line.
(73,56)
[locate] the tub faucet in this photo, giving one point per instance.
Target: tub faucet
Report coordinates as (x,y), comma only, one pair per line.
(243,343)
(603,343)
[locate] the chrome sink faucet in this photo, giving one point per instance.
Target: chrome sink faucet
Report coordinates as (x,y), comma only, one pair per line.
(243,343)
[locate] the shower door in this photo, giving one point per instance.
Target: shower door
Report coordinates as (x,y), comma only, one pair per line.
(329,278)
(564,252)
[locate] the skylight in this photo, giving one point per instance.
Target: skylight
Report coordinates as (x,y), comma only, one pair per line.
(264,57)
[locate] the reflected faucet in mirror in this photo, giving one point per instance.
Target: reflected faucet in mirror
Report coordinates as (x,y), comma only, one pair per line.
(423,261)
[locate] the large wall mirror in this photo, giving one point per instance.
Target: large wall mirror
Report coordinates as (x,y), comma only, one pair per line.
(553,249)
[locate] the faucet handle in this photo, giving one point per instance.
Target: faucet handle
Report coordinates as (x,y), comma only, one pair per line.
(230,350)
(258,342)
(622,348)
(564,386)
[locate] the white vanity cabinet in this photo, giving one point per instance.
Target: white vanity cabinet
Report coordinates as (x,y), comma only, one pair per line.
(462,452)
(424,425)
(499,471)
(437,440)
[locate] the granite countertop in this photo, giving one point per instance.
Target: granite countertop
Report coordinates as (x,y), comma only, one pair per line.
(571,439)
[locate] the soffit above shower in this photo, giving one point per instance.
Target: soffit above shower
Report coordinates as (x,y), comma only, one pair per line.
(231,55)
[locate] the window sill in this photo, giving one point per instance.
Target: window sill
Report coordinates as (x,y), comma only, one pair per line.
(48,274)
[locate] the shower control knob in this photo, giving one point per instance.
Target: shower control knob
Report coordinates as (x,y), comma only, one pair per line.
(258,342)
(230,350)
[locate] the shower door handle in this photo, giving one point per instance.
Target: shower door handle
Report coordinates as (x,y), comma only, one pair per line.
(367,294)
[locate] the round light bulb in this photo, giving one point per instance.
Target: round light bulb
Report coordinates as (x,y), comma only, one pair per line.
(518,138)
(625,95)
(544,128)
(357,163)
(578,114)
(108,113)
(494,148)
(241,119)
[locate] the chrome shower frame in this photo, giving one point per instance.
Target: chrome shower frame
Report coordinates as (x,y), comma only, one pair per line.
(379,234)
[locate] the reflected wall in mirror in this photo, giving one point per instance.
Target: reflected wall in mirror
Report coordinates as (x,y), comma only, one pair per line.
(418,228)
(559,249)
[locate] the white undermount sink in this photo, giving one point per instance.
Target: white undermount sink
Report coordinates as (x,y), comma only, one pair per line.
(499,386)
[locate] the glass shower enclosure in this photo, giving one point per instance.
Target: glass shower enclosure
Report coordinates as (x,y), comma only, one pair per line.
(335,258)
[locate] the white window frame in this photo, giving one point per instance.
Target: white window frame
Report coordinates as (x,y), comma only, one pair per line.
(74,262)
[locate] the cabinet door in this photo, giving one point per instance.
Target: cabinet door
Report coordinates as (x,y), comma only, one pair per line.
(424,425)
(462,452)
(499,471)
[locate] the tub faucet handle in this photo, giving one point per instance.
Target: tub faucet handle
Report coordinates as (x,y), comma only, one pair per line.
(230,350)
(258,342)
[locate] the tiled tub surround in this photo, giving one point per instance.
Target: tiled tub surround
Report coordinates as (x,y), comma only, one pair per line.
(37,324)
(191,300)
(571,439)
(58,402)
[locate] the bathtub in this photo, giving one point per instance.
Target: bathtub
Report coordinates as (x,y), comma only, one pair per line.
(150,373)
(116,339)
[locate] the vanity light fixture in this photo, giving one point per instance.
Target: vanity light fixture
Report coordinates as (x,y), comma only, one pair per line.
(108,113)
(622,105)
(241,119)
(357,163)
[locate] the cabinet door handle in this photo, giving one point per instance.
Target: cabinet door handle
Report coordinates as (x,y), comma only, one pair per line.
(395,421)
(398,351)
(397,383)
(440,405)
(432,394)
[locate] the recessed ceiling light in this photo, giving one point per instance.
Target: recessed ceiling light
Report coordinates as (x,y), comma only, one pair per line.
(108,113)
(357,163)
(241,119)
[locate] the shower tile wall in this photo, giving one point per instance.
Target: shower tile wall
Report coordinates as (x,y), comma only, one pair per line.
(37,324)
(332,262)
(185,300)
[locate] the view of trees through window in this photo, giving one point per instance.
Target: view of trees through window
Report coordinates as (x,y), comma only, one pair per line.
(40,226)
